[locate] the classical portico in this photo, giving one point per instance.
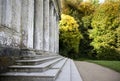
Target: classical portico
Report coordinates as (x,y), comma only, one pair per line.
(29,42)
(30,24)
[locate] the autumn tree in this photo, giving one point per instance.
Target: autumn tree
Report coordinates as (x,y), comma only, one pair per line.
(69,36)
(106,25)
(82,12)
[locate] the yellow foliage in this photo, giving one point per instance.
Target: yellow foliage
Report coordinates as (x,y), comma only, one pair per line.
(69,33)
(68,23)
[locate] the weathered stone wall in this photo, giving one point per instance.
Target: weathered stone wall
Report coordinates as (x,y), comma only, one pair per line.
(27,24)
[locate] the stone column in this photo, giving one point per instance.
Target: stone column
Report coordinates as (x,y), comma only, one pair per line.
(27,23)
(6,13)
(38,29)
(57,34)
(0,11)
(10,12)
(46,26)
(54,24)
(16,15)
(56,37)
(51,28)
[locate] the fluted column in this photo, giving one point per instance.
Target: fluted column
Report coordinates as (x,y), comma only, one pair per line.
(46,26)
(6,13)
(52,33)
(27,23)
(57,35)
(38,31)
(10,15)
(0,11)
(16,15)
(50,28)
(54,24)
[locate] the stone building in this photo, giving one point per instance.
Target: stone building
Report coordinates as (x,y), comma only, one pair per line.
(29,36)
(28,24)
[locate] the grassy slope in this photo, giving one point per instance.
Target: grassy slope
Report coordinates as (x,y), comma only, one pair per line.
(115,65)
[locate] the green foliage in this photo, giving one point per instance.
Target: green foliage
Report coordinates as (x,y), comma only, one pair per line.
(105,23)
(118,37)
(82,12)
(99,25)
(69,35)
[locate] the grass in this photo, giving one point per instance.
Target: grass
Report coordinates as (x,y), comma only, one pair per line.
(114,65)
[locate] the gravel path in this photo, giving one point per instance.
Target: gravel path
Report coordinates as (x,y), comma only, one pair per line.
(94,72)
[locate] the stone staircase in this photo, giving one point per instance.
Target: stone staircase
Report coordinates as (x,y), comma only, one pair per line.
(42,68)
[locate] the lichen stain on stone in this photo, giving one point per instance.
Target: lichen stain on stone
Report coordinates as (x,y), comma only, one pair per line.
(12,41)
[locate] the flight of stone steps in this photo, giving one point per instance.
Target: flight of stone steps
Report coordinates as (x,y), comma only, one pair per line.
(42,68)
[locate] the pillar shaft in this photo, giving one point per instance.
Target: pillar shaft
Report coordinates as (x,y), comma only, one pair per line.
(0,11)
(16,15)
(56,30)
(38,31)
(46,26)
(54,24)
(9,10)
(51,28)
(27,23)
(6,13)
(57,35)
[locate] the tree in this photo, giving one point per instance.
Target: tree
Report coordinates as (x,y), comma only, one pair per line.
(96,2)
(69,35)
(99,25)
(82,12)
(106,25)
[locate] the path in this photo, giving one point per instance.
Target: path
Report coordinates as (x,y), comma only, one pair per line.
(94,72)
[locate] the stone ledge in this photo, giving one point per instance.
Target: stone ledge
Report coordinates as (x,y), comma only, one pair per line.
(34,68)
(69,72)
(49,75)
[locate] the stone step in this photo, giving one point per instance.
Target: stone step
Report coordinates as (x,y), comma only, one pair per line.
(69,72)
(60,69)
(32,57)
(35,61)
(34,68)
(60,64)
(48,75)
(65,72)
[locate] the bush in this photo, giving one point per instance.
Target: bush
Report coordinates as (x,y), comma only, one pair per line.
(108,53)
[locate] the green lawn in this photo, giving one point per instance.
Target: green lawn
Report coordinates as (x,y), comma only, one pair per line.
(115,65)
